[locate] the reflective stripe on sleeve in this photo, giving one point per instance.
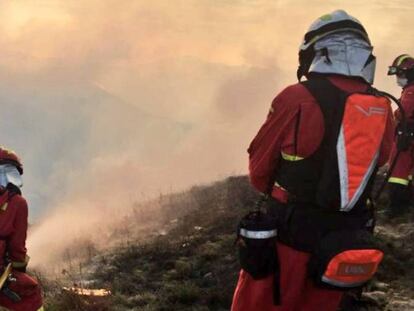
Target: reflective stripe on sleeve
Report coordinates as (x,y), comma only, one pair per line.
(290,157)
(401,181)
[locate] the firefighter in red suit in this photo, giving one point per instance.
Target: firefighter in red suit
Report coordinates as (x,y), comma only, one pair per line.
(13,232)
(335,48)
(400,179)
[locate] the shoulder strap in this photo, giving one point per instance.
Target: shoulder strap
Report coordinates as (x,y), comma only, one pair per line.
(346,128)
(331,100)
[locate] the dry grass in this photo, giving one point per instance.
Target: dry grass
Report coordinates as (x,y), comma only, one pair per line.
(194,266)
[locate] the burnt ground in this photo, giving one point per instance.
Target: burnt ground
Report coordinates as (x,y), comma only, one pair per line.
(190,263)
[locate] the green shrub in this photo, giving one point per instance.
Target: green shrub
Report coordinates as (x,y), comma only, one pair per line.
(185,293)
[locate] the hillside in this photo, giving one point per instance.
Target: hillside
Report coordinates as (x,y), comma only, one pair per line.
(189,261)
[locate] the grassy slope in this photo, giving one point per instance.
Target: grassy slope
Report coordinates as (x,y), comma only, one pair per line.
(194,266)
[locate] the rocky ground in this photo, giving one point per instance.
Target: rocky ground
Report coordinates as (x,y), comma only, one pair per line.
(189,262)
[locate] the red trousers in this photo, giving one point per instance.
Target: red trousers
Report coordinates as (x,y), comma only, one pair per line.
(29,291)
(297,291)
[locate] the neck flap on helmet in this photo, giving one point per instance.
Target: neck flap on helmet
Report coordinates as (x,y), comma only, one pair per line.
(10,175)
(330,25)
(344,54)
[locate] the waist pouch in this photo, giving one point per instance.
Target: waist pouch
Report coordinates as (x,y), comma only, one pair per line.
(345,259)
(256,240)
(344,252)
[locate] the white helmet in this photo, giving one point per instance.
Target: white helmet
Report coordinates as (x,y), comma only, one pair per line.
(337,43)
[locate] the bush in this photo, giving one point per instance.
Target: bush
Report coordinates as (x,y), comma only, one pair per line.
(186,293)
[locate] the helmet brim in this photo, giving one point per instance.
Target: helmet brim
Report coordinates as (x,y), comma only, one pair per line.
(306,45)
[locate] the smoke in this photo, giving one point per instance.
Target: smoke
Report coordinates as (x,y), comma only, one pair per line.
(113,102)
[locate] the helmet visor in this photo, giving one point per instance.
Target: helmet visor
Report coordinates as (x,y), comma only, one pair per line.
(394,70)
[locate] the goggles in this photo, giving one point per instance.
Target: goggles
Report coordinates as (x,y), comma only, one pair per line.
(394,70)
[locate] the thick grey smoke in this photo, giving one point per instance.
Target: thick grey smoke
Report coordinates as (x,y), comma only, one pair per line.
(111,102)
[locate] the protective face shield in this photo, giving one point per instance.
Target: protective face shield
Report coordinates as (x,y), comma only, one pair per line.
(402,81)
(10,174)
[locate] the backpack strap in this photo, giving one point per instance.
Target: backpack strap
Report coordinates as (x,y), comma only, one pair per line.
(331,101)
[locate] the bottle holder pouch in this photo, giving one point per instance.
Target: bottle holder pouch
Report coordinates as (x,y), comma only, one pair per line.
(256,239)
(345,259)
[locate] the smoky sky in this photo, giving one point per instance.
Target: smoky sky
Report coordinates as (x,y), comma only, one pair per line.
(112,102)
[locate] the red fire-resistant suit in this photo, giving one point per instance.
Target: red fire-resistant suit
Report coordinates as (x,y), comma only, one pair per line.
(405,162)
(274,140)
(13,230)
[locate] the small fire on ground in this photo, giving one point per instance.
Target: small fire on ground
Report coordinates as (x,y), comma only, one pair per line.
(88,292)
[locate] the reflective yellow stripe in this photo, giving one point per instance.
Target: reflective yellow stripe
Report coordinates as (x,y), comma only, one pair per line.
(401,181)
(404,57)
(314,40)
(41,309)
(21,264)
(289,157)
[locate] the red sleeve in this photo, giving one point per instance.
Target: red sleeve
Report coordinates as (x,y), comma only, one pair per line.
(388,139)
(403,167)
(405,162)
(407,102)
(17,241)
(264,150)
